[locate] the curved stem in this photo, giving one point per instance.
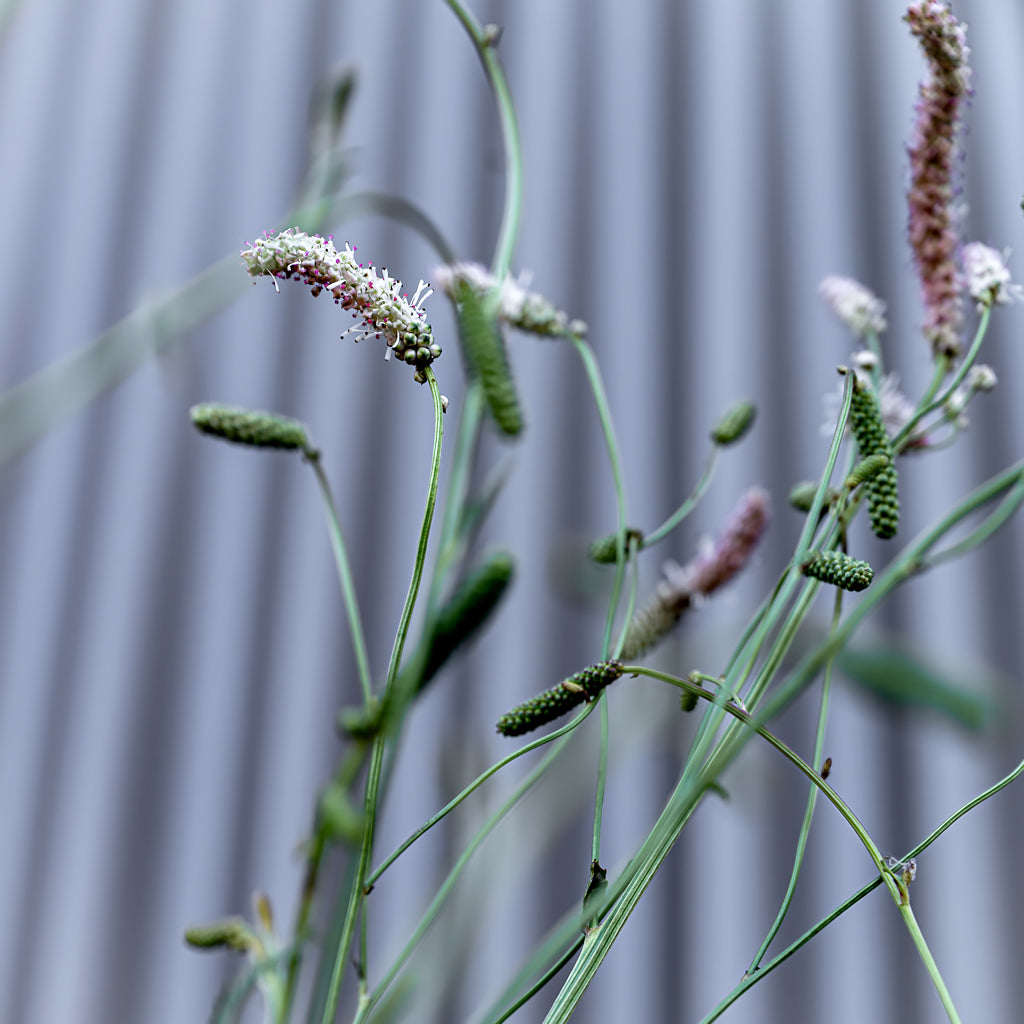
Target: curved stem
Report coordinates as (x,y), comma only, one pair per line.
(687,506)
(485,48)
(471,788)
(368,1002)
(344,576)
(397,709)
(812,797)
(929,403)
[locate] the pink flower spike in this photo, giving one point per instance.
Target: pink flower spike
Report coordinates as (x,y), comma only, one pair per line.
(932,228)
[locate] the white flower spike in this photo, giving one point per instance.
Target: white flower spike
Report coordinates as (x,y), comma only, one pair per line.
(858,307)
(375,299)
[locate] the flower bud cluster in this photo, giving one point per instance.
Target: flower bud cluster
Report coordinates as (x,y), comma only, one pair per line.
(375,299)
(524,309)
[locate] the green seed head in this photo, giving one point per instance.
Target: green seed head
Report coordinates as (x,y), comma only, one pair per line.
(247,426)
(839,569)
(872,439)
(604,551)
(735,422)
(484,349)
(585,685)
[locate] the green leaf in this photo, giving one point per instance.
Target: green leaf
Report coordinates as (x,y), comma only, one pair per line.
(899,676)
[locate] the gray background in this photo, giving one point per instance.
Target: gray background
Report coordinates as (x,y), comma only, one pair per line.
(172,643)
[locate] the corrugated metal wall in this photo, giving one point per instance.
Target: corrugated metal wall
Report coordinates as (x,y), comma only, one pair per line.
(172,641)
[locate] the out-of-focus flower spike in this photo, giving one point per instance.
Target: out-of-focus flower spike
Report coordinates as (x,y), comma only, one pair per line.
(486,358)
(231,933)
(987,276)
(468,609)
(529,311)
(932,227)
(857,306)
(604,550)
(734,423)
(701,576)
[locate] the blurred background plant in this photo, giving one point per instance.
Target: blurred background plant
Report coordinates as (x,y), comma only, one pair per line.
(173,643)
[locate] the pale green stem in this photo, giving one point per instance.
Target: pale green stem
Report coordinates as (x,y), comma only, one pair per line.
(368,1002)
(780,958)
(586,354)
(929,961)
(485,48)
(812,797)
(929,403)
(687,506)
(471,788)
(357,893)
(345,577)
(626,891)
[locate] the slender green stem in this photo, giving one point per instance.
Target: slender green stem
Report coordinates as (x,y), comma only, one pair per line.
(604,414)
(541,982)
(367,1004)
(929,403)
(358,893)
(986,528)
(812,797)
(602,775)
(878,370)
(687,506)
(344,576)
(929,961)
(750,722)
(485,48)
(593,372)
(466,440)
(625,892)
(317,841)
(820,926)
(471,788)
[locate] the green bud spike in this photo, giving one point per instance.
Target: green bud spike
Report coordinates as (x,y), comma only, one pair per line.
(338,817)
(231,933)
(687,700)
(363,722)
(484,349)
(872,439)
(551,704)
(468,609)
(839,569)
(605,550)
(867,469)
(801,497)
(246,426)
(735,422)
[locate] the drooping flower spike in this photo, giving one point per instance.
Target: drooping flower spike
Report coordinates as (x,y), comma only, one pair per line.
(529,311)
(375,299)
